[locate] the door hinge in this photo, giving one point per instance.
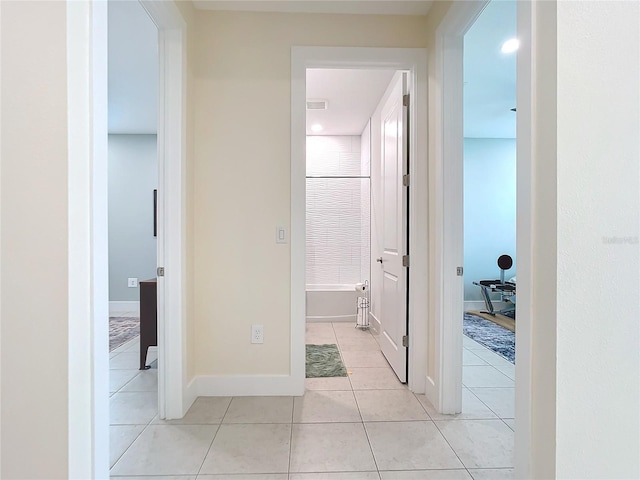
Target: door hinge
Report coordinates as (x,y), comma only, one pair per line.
(405,100)
(405,260)
(406,180)
(405,340)
(160,271)
(459,271)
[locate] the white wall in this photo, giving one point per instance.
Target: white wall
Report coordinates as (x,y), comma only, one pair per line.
(34,249)
(337,242)
(598,156)
(489,210)
(585,333)
(133,175)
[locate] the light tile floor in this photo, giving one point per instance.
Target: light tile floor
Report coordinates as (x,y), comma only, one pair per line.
(367,426)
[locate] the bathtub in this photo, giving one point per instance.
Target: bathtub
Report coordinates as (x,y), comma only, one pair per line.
(331,303)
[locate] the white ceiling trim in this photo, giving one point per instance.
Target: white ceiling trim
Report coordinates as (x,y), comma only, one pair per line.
(367,7)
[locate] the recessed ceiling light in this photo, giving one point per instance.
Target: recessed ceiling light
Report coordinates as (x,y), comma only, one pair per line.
(510,46)
(316,127)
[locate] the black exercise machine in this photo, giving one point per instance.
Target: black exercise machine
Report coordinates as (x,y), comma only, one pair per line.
(507,290)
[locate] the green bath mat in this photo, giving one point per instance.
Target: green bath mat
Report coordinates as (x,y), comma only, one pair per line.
(324,361)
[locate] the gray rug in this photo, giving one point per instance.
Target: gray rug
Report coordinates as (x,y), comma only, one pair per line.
(121,330)
(491,335)
(324,361)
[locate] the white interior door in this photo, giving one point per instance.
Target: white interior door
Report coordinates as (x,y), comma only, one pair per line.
(393,311)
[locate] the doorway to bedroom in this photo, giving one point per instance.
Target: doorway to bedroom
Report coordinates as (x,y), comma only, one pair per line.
(489,172)
(132,223)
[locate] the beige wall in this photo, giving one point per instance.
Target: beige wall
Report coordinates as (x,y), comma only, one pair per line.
(241,174)
(33,252)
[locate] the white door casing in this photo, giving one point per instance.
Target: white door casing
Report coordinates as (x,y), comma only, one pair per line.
(393,308)
(444,381)
(88,299)
(173,397)
(445,385)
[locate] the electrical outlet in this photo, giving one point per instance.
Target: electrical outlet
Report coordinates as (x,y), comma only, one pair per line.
(257,333)
(132,282)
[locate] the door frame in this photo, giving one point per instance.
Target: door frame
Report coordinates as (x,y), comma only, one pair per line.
(173,399)
(88,356)
(446,219)
(447,288)
(413,60)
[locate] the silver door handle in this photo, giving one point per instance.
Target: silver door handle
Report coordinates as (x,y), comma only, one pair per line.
(379,259)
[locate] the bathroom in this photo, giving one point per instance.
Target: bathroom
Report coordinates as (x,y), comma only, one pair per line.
(340,104)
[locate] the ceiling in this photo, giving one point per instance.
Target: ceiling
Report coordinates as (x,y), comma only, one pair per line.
(352,97)
(489,74)
(489,90)
(352,94)
(133,69)
(373,7)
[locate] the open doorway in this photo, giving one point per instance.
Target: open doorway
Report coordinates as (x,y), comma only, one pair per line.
(489,175)
(133,228)
(89,186)
(449,203)
(349,114)
(407,69)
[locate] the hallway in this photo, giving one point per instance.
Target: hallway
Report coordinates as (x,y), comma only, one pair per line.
(362,427)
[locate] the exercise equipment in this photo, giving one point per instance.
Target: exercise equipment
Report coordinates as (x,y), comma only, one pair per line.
(507,290)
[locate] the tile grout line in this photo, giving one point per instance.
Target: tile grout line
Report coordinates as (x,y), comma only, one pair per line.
(373,455)
(364,427)
(485,404)
(511,428)
(452,449)
(144,427)
(214,436)
(128,382)
(293,410)
(421,405)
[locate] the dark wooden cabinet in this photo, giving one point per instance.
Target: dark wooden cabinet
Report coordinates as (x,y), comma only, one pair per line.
(148,319)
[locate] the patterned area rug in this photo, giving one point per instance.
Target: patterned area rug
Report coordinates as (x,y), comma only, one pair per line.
(324,361)
(506,322)
(121,330)
(492,336)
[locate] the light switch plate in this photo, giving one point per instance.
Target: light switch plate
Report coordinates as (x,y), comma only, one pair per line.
(281,235)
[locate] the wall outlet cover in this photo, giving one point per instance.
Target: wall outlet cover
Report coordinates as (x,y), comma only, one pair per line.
(132,282)
(257,333)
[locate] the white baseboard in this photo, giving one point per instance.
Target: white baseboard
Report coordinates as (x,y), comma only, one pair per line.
(117,307)
(190,395)
(374,323)
(246,385)
(431,392)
